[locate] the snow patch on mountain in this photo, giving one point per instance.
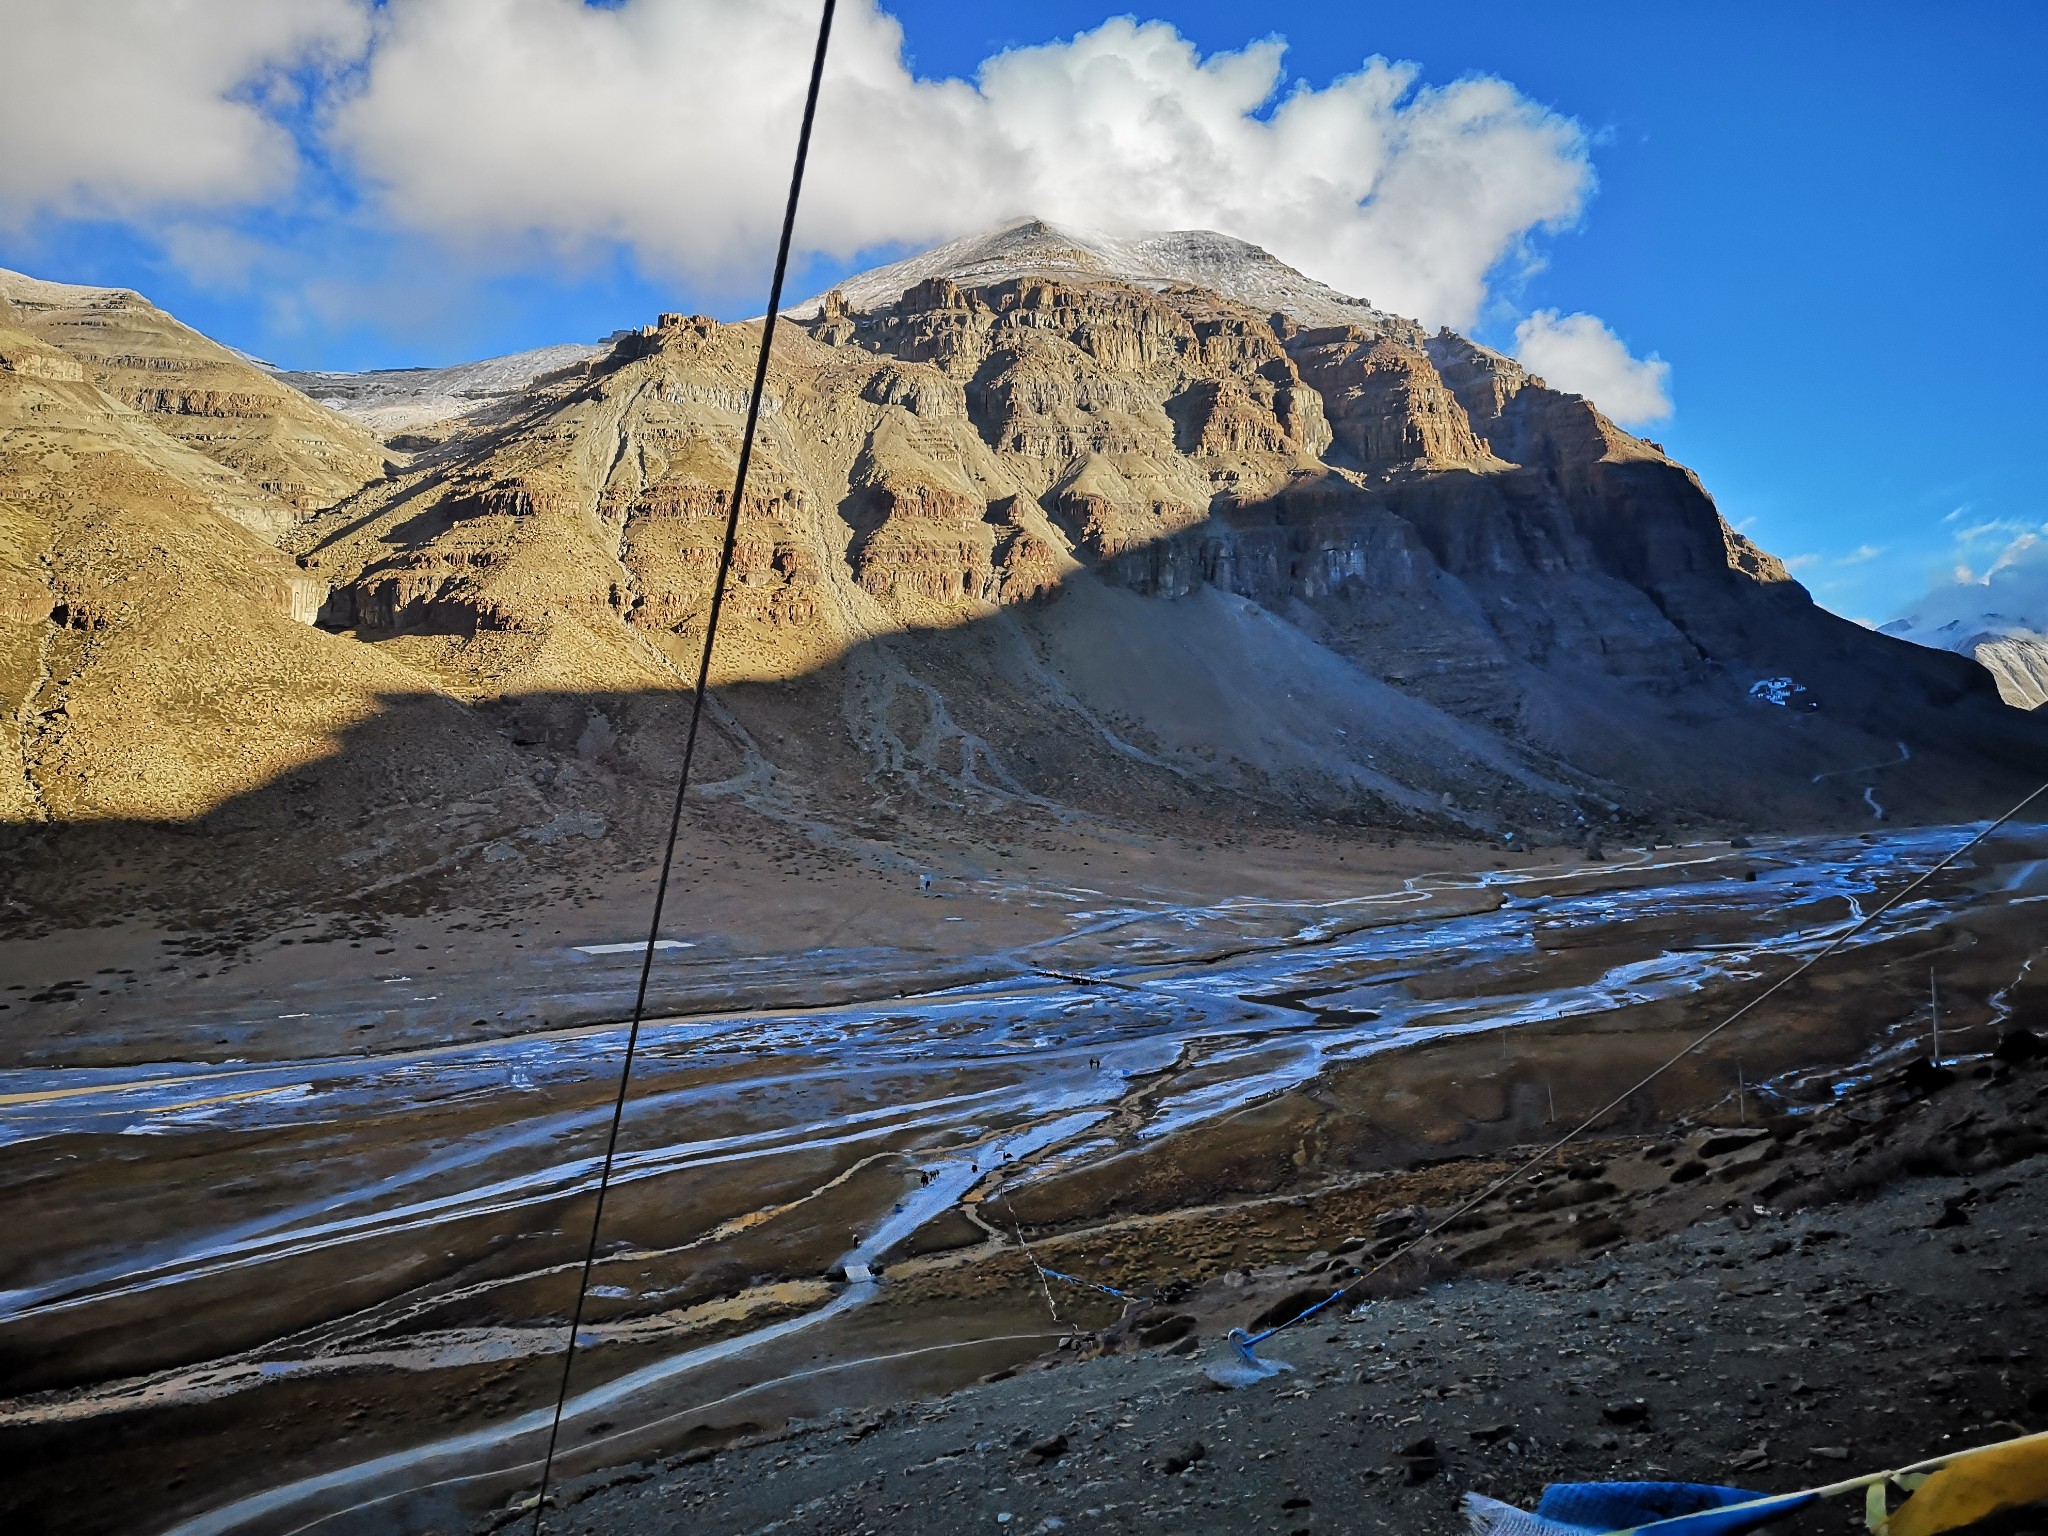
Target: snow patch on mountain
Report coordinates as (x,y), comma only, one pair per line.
(394,400)
(2001,619)
(1234,268)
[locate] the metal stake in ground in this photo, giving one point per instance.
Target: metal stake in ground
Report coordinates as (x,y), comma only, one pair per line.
(1934,1012)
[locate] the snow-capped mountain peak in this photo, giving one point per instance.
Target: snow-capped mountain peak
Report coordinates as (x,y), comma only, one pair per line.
(1234,268)
(2001,619)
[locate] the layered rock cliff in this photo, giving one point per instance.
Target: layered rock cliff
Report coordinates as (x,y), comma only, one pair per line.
(1028,535)
(291,455)
(1516,613)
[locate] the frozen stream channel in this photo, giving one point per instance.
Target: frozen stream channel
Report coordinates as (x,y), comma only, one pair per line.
(199,1255)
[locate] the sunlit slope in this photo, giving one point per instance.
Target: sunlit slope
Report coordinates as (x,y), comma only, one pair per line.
(295,456)
(155,654)
(1556,617)
(1030,545)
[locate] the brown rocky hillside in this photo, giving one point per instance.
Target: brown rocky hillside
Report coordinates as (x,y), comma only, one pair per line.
(155,651)
(296,455)
(1051,541)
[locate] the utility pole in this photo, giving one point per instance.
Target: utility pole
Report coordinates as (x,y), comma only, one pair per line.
(1741,1097)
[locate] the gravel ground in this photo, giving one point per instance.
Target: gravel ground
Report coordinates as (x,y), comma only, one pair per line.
(1842,1311)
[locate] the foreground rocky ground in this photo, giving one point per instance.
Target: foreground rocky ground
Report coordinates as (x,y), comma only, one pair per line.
(1856,1289)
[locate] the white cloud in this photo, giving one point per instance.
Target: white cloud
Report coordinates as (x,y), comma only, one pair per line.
(1579,354)
(2025,548)
(524,131)
(2028,550)
(2011,592)
(667,125)
(1402,195)
(120,107)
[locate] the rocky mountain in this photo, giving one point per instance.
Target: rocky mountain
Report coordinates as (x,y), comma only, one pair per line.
(1042,526)
(1186,258)
(289,456)
(156,648)
(2001,621)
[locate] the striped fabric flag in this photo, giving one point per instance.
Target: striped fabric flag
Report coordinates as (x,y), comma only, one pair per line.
(1945,1493)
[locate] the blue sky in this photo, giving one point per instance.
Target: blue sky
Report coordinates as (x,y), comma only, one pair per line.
(1823,218)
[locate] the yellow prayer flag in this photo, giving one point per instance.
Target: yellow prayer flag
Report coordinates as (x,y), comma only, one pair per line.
(1971,1487)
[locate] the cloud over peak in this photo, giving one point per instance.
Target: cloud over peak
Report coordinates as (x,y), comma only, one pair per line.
(1580,354)
(667,125)
(524,132)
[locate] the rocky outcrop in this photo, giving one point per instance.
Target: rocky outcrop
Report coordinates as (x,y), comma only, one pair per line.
(920,527)
(670,546)
(300,455)
(1065,536)
(31,361)
(1388,405)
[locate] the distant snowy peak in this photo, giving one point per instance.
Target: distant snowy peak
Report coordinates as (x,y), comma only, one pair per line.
(36,290)
(2001,620)
(1234,268)
(397,400)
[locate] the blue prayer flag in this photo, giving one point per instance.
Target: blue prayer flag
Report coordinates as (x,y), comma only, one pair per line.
(1642,1509)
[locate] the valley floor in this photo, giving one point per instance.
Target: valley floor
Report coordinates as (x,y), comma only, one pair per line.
(302,1294)
(1772,1341)
(149,988)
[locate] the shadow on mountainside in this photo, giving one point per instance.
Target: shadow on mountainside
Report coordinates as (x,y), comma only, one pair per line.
(1100,708)
(1531,635)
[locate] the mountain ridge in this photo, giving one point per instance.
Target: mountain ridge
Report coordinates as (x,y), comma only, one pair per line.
(407,400)
(292,455)
(2000,621)
(399,401)
(1056,551)
(1199,258)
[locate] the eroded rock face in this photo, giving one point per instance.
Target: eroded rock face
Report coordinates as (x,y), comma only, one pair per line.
(298,454)
(1389,407)
(1057,538)
(1418,508)
(156,656)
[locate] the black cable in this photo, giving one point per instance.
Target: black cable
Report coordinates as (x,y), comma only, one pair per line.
(675,820)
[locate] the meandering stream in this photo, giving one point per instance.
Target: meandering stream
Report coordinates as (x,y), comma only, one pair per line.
(199,1237)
